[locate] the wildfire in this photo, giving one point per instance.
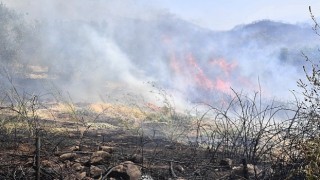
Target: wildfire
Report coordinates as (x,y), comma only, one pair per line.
(221,85)
(175,65)
(223,73)
(200,78)
(153,107)
(226,67)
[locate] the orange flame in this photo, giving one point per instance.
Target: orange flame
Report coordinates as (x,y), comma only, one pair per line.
(193,75)
(199,76)
(175,65)
(221,85)
(224,65)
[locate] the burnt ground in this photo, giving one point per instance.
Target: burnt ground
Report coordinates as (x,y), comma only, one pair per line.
(159,158)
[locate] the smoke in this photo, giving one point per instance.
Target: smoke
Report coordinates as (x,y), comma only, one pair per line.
(94,48)
(83,10)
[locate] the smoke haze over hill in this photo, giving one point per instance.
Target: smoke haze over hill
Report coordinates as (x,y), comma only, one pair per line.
(96,48)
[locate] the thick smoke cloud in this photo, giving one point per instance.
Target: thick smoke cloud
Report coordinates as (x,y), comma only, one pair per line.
(96,10)
(75,41)
(92,48)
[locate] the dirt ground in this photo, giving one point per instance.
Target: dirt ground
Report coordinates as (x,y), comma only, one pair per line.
(158,158)
(70,150)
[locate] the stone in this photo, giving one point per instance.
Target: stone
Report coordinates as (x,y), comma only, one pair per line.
(68,156)
(96,160)
(103,154)
(83,159)
(99,157)
(74,148)
(81,176)
(126,170)
(77,167)
(95,171)
(107,149)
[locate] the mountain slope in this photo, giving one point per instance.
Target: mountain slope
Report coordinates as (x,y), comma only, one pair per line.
(88,58)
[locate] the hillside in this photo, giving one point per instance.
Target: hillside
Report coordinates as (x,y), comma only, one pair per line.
(177,55)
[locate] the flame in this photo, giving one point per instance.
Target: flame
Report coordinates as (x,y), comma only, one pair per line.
(222,85)
(175,65)
(153,107)
(226,67)
(199,76)
(186,69)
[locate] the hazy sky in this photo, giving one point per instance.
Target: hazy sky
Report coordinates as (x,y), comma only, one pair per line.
(225,14)
(213,14)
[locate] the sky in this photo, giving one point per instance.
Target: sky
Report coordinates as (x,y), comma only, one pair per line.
(212,14)
(225,14)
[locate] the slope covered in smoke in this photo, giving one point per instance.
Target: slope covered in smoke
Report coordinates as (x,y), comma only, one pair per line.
(117,54)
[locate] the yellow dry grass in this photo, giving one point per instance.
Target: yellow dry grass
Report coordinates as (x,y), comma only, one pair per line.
(62,107)
(44,114)
(115,110)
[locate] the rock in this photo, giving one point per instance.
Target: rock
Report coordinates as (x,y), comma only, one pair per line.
(237,172)
(227,162)
(74,148)
(103,154)
(107,149)
(77,167)
(68,156)
(83,160)
(99,157)
(81,176)
(126,170)
(95,171)
(96,160)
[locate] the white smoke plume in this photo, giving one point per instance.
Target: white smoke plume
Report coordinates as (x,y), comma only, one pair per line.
(98,47)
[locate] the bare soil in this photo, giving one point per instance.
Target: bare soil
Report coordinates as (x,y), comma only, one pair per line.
(157,157)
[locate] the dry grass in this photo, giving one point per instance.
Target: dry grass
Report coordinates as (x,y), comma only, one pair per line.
(118,111)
